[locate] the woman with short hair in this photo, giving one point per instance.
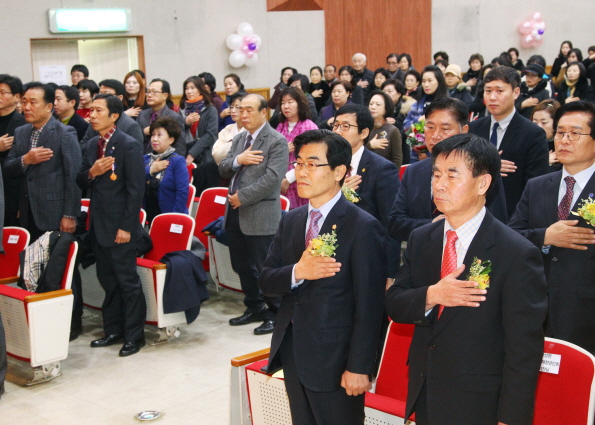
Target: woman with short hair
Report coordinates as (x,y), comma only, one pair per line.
(543,115)
(319,89)
(412,81)
(347,74)
(385,139)
(575,85)
(340,95)
(232,84)
(286,73)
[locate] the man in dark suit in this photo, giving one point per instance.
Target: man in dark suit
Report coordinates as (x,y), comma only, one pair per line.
(363,77)
(113,172)
(65,105)
(374,178)
(10,119)
(476,350)
(158,93)
(414,206)
(521,143)
(46,158)
(545,217)
(256,165)
(332,306)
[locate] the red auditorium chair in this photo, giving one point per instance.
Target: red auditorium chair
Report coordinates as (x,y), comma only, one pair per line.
(211,206)
(14,241)
(402,171)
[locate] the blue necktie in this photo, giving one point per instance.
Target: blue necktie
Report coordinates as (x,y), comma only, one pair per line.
(494,136)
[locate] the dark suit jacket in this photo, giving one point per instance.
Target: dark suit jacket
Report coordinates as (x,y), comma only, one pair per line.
(569,272)
(80,125)
(524,143)
(413,204)
(51,185)
(336,320)
(380,184)
(115,204)
(16,121)
(143,121)
(479,364)
(124,123)
(260,185)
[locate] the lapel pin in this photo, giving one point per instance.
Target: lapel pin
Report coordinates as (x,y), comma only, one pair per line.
(590,195)
(363,170)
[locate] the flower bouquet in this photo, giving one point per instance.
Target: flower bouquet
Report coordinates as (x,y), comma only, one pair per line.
(479,272)
(587,210)
(416,137)
(351,195)
(325,245)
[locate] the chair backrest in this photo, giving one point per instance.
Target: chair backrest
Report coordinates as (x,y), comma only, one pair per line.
(402,171)
(569,395)
(191,168)
(142,217)
(69,268)
(14,241)
(170,232)
(210,207)
(191,195)
(393,374)
(285,203)
(85,204)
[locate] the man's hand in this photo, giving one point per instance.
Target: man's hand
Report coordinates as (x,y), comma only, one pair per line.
(389,282)
(284,186)
(507,166)
(564,235)
(353,182)
(363,84)
(355,383)
(159,165)
(37,155)
(314,268)
(527,103)
(572,99)
(553,158)
(234,200)
(471,82)
(6,142)
(250,157)
(189,159)
(451,292)
(122,236)
(101,166)
(501,423)
(67,225)
(317,93)
(377,143)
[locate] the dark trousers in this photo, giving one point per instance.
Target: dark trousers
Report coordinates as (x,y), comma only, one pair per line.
(314,408)
(124,308)
(247,257)
(3,360)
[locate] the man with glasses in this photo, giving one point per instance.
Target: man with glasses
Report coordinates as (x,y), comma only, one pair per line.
(328,326)
(157,95)
(545,216)
(256,165)
(374,178)
(414,205)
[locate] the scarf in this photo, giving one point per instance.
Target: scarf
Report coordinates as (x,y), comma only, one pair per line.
(160,156)
(194,105)
(571,87)
(530,92)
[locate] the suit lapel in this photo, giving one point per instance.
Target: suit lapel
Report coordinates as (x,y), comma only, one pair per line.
(511,132)
(362,168)
(550,197)
(46,139)
(260,139)
(299,232)
(424,188)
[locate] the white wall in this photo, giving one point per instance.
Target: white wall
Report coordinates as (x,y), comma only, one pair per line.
(182,37)
(464,27)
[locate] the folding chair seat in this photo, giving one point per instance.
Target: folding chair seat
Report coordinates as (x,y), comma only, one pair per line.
(211,206)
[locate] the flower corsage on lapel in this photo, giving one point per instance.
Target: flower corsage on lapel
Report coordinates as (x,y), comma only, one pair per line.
(325,245)
(479,272)
(351,195)
(587,210)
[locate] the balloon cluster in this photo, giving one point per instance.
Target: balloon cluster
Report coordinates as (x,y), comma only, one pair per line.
(245,45)
(532,31)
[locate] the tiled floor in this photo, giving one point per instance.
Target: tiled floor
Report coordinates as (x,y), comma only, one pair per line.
(186,379)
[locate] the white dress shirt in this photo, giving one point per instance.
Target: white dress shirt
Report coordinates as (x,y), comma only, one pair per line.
(582,178)
(503,125)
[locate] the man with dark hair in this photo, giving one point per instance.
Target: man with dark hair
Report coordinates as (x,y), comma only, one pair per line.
(546,215)
(414,204)
(476,292)
(375,179)
(77,73)
(158,93)
(66,103)
(113,87)
(114,174)
(521,143)
(330,74)
(392,64)
(256,164)
(45,157)
(87,91)
(211,83)
(10,119)
(443,56)
(331,311)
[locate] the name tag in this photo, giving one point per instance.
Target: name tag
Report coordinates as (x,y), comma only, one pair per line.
(12,239)
(220,199)
(84,208)
(551,363)
(176,228)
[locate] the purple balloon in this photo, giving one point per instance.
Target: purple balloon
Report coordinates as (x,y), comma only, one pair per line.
(252,46)
(540,32)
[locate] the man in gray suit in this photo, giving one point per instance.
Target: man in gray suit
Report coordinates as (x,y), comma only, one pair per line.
(256,164)
(46,157)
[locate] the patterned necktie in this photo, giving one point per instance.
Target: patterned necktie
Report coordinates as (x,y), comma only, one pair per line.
(315,215)
(494,136)
(566,202)
(100,147)
(449,260)
(153,117)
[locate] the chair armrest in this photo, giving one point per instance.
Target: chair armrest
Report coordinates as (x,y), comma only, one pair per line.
(6,280)
(250,357)
(29,297)
(150,264)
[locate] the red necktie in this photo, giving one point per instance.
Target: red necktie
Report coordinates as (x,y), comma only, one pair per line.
(100,147)
(566,202)
(315,215)
(449,260)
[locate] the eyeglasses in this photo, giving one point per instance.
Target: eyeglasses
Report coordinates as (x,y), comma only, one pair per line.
(153,92)
(573,136)
(344,126)
(310,165)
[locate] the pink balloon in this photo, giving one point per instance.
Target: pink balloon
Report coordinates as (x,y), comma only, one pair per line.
(537,16)
(250,53)
(253,39)
(247,40)
(527,41)
(245,49)
(525,28)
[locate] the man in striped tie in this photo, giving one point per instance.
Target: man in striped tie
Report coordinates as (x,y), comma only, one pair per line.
(327,330)
(544,216)
(476,292)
